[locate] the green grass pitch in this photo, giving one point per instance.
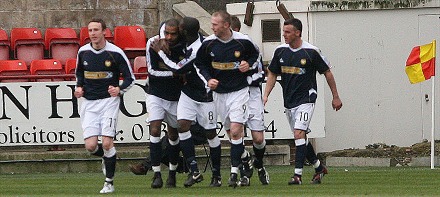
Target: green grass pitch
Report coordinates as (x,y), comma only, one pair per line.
(350,181)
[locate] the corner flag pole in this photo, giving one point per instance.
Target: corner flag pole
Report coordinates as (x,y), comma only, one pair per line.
(432,121)
(433,111)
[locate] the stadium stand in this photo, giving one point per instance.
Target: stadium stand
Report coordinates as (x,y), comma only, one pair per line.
(47,67)
(61,43)
(131,39)
(4,45)
(13,68)
(27,44)
(140,65)
(70,66)
(84,36)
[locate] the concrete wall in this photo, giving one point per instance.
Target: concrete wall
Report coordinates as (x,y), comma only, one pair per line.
(77,13)
(367,43)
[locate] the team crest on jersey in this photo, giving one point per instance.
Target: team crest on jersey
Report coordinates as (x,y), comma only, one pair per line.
(108,63)
(303,62)
(237,54)
(85,63)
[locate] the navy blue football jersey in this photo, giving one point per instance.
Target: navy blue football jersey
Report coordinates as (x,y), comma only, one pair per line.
(220,59)
(195,86)
(298,68)
(162,82)
(96,70)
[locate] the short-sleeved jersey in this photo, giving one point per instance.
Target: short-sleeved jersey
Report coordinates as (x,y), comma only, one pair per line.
(298,68)
(96,70)
(161,80)
(220,59)
(195,86)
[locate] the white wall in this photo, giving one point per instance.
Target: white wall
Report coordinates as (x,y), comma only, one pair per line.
(368,50)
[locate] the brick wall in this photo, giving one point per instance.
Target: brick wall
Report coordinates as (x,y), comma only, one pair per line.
(76,13)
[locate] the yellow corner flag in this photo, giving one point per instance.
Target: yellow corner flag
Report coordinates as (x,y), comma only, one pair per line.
(420,65)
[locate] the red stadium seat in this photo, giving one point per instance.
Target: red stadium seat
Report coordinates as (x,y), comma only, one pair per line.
(70,66)
(62,43)
(4,45)
(27,44)
(13,68)
(140,66)
(84,36)
(47,67)
(131,39)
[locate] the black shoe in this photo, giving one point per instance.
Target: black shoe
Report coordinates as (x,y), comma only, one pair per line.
(244,181)
(233,180)
(263,175)
(157,180)
(247,168)
(193,178)
(171,182)
(216,181)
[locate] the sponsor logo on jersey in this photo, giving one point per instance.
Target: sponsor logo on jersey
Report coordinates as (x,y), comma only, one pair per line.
(108,63)
(225,66)
(303,62)
(237,54)
(281,60)
(98,75)
(292,70)
(211,54)
(85,63)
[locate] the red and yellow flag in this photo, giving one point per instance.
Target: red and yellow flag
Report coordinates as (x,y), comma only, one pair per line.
(420,65)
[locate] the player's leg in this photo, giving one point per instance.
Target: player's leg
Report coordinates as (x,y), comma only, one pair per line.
(108,124)
(206,116)
(173,150)
(299,120)
(173,139)
(238,115)
(109,159)
(320,169)
(259,147)
(155,117)
(186,115)
(215,152)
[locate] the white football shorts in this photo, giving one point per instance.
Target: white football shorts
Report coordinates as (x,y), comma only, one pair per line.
(202,112)
(161,109)
(99,117)
(299,117)
(232,106)
(255,121)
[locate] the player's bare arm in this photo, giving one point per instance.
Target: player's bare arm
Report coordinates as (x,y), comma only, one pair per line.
(336,101)
(212,84)
(113,91)
(270,83)
(244,66)
(79,92)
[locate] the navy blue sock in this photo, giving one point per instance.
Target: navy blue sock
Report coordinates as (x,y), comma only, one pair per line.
(188,151)
(216,154)
(99,152)
(155,153)
(300,155)
(236,152)
(174,154)
(110,166)
(259,154)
